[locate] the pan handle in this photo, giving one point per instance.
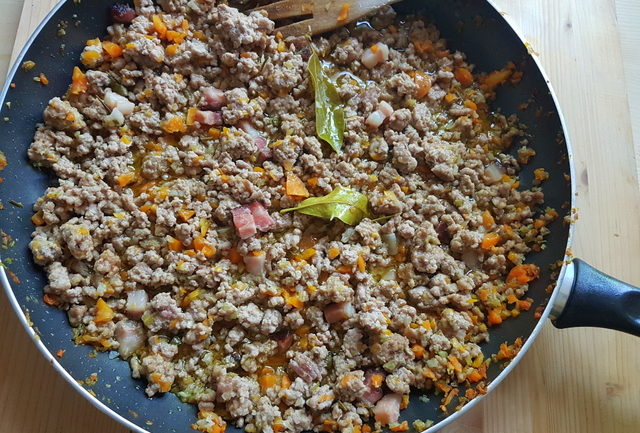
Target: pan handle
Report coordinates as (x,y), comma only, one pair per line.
(588,297)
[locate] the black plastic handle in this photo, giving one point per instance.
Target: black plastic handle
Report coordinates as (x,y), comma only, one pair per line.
(596,299)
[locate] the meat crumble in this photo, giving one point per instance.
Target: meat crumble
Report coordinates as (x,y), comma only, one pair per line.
(185,134)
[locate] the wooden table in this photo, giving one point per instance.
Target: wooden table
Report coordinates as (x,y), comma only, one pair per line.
(572,381)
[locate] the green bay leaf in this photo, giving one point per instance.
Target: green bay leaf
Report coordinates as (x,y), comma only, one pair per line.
(329,112)
(345,204)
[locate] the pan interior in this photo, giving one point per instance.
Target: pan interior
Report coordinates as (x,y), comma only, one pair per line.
(471,26)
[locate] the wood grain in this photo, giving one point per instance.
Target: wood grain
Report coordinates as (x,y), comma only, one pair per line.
(579,380)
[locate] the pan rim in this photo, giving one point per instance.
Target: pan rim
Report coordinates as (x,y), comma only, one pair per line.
(24,321)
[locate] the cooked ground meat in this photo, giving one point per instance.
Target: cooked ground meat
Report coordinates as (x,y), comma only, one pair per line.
(188,132)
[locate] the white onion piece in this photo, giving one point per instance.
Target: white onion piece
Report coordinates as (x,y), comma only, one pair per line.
(375,55)
(391,240)
(255,264)
(471,259)
(385,108)
(369,59)
(130,336)
(116,118)
(375,119)
(114,100)
(383,52)
(493,172)
(137,303)
(390,275)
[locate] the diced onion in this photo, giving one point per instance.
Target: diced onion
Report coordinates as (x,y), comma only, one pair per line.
(130,336)
(375,119)
(385,108)
(493,172)
(391,240)
(114,100)
(369,59)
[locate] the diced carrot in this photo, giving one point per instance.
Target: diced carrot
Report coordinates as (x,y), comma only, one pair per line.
(429,374)
(333,253)
(234,256)
(366,429)
(293,300)
(285,382)
(362,267)
(174,124)
(159,26)
(494,317)
(191,115)
(463,76)
(474,376)
(79,82)
(344,269)
(449,98)
(344,12)
(312,181)
(174,244)
(418,351)
(192,296)
(524,304)
(49,299)
(104,313)
(186,214)
(424,84)
(423,47)
(295,187)
(43,79)
(171,50)
(306,254)
(455,363)
(208,251)
(126,178)
(113,49)
(89,58)
(495,78)
(376,380)
(487,220)
(403,426)
(37,219)
(60,353)
(277,427)
(177,37)
(214,133)
(470,104)
(522,274)
(490,240)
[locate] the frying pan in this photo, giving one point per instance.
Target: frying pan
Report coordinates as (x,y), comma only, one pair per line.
(582,296)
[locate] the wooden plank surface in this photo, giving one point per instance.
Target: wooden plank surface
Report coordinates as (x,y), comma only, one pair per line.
(579,380)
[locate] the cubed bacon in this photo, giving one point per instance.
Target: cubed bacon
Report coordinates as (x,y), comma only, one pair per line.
(264,152)
(387,410)
(137,303)
(255,264)
(261,217)
(303,366)
(209,118)
(243,220)
(212,98)
(130,336)
(284,340)
(373,379)
(338,311)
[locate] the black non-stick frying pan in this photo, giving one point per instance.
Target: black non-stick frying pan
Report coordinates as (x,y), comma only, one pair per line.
(582,295)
